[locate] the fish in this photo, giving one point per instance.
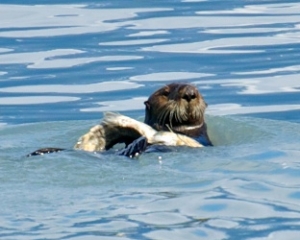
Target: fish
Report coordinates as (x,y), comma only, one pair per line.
(117,128)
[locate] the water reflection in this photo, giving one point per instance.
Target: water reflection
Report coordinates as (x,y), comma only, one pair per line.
(224,46)
(63,19)
(58,58)
(148,33)
(132,42)
(75,88)
(169,76)
(72,61)
(118,105)
(261,85)
(234,108)
(27,100)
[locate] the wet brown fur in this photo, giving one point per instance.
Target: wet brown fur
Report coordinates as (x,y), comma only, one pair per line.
(178,107)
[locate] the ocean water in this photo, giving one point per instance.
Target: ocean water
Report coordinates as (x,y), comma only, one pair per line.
(64,63)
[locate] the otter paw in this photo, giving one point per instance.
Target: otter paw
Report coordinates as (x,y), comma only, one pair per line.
(135,148)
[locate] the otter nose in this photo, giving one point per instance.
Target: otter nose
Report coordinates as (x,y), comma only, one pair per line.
(189,94)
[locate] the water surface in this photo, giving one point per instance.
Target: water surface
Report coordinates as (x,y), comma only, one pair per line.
(63,63)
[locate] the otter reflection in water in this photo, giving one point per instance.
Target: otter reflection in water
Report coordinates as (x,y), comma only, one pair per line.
(177,108)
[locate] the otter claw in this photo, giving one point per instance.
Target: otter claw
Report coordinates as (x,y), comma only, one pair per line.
(135,148)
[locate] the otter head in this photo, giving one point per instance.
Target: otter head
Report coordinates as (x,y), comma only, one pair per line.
(177,107)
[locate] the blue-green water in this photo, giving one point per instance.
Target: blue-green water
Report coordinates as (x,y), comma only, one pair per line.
(63,63)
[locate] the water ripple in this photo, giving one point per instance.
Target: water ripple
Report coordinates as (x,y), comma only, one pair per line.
(72,61)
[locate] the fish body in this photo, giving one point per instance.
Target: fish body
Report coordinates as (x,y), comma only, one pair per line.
(117,128)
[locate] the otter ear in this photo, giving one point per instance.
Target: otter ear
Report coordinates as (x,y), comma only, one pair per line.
(147,104)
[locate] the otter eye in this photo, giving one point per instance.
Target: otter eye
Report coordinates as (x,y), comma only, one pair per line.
(165,93)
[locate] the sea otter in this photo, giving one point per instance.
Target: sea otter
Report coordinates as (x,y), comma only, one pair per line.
(176,107)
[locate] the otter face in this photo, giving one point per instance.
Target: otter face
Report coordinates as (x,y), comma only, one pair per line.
(175,106)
